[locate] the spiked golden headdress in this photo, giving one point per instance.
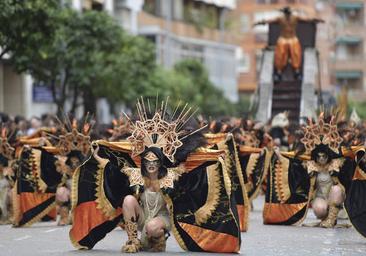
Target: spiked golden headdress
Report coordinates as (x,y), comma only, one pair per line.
(161,131)
(5,149)
(321,133)
(250,139)
(74,140)
(121,127)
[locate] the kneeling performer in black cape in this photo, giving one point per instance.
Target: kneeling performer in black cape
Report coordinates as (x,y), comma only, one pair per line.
(160,179)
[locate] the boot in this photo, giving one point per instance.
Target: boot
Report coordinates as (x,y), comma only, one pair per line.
(133,244)
(64,216)
(298,75)
(157,244)
(331,220)
(277,77)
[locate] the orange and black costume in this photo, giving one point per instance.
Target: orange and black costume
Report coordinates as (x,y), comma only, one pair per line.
(202,206)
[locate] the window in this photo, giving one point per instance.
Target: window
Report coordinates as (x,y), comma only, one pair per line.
(123,16)
(243,59)
(177,9)
(244,23)
(259,16)
(96,5)
(192,51)
(349,14)
(152,6)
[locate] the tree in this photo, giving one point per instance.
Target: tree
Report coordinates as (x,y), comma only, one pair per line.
(129,71)
(25,23)
(85,55)
(204,94)
(92,42)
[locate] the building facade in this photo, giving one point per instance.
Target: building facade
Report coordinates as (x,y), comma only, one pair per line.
(340,41)
(347,61)
(179,29)
(196,29)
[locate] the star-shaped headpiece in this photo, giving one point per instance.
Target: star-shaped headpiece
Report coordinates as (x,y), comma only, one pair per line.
(321,133)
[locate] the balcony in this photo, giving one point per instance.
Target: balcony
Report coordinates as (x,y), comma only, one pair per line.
(179,28)
(348,75)
(349,64)
(349,15)
(351,41)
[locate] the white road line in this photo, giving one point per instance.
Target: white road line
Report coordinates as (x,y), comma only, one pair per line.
(22,238)
(50,230)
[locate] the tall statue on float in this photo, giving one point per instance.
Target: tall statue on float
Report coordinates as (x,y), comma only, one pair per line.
(288,46)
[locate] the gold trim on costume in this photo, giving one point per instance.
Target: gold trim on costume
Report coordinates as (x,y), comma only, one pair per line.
(102,201)
(359,174)
(168,180)
(211,241)
(74,190)
(36,168)
(281,179)
(213,194)
(176,234)
(214,138)
(310,195)
(334,165)
(39,216)
(244,223)
(134,176)
(76,244)
(278,212)
(252,162)
(16,204)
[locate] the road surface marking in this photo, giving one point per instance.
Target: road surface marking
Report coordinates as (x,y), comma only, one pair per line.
(50,230)
(22,238)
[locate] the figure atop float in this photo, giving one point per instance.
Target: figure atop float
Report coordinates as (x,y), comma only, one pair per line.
(288,45)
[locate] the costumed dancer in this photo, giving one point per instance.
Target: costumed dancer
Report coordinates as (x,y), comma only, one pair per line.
(7,164)
(162,180)
(321,176)
(226,142)
(44,173)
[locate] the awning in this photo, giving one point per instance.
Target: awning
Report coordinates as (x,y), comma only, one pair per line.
(348,40)
(230,4)
(349,6)
(348,74)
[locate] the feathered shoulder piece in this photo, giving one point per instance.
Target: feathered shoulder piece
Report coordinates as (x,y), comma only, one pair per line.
(321,132)
(159,129)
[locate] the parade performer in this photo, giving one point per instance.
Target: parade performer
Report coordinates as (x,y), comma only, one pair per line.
(254,146)
(7,163)
(44,173)
(226,142)
(288,44)
(322,176)
(161,179)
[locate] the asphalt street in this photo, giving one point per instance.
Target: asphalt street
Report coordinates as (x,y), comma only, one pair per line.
(48,239)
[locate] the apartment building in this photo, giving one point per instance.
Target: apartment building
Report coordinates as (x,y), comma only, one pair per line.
(348,56)
(194,29)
